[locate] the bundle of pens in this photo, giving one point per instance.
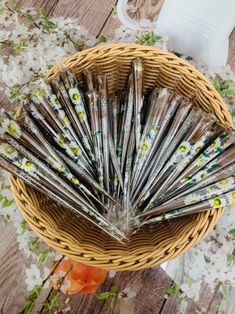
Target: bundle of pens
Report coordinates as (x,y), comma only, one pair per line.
(120,161)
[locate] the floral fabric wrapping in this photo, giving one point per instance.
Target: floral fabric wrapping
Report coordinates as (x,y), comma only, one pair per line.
(119,161)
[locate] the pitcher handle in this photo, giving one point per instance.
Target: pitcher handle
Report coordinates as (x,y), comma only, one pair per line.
(124,17)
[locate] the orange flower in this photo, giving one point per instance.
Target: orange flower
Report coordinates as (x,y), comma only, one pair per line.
(88,277)
(64,266)
(77,277)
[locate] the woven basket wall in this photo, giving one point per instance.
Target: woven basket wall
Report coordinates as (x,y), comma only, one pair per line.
(163,241)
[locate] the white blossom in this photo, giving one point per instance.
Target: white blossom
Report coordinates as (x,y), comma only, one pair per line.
(7,194)
(208,260)
(126,294)
(46,273)
(33,277)
(65,286)
(193,291)
(112,273)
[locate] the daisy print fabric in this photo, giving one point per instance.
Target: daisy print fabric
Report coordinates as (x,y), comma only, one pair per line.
(10,127)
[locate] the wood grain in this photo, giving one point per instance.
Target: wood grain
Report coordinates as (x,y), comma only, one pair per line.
(13,290)
(46,5)
(143,9)
(209,300)
(13,262)
(91,14)
(231,55)
(230,301)
(12,270)
(87,304)
(170,305)
(149,286)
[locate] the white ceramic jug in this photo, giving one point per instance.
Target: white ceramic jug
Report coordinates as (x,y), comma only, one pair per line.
(197,28)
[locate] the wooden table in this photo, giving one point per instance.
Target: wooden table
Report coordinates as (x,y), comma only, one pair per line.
(96,16)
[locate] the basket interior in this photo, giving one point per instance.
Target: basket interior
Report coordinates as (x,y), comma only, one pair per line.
(151,245)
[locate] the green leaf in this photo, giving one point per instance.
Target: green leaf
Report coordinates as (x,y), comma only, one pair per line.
(2,46)
(31,299)
(5,220)
(24,226)
(47,25)
(148,39)
(173,289)
(180,299)
(55,301)
(20,45)
(224,291)
(113,290)
(37,290)
(7,203)
(5,186)
(102,39)
(189,281)
(28,309)
(217,84)
(114,10)
(107,295)
(29,17)
(224,87)
(1,197)
(34,245)
(232,232)
(47,22)
(2,10)
(43,14)
(14,90)
(51,304)
(43,257)
(35,293)
(228,92)
(230,260)
(103,295)
(15,5)
(233,112)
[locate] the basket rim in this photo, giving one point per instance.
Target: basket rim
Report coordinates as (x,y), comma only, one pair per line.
(137,47)
(112,260)
(38,225)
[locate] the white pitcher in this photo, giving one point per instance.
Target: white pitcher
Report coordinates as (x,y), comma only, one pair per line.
(197,28)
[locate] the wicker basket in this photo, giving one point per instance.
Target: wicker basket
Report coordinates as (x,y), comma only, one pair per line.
(163,241)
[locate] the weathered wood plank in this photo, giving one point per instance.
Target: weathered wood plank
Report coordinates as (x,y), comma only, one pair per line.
(209,299)
(230,301)
(46,5)
(143,9)
(231,55)
(12,270)
(170,305)
(149,286)
(91,14)
(87,304)
(13,262)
